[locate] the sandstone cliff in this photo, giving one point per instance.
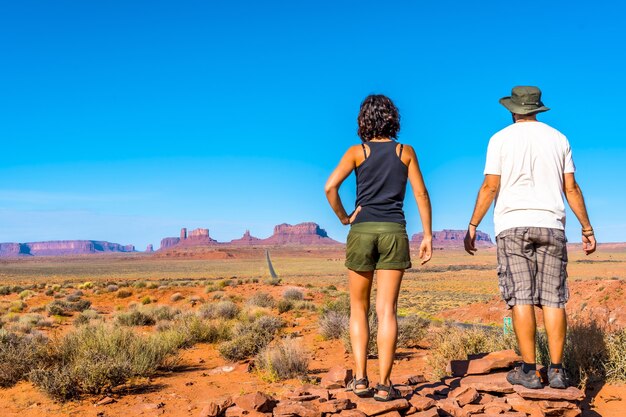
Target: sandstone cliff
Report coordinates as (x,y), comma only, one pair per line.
(61,247)
(300,234)
(246,240)
(196,237)
(452,238)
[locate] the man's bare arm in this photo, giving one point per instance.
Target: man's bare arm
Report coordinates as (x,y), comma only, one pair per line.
(486,195)
(576,201)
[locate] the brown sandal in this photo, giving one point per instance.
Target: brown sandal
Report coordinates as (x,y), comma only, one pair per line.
(392,393)
(360,392)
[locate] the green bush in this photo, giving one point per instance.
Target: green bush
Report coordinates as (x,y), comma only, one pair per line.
(135,318)
(285,306)
(18,355)
(223,310)
(293,294)
(124,293)
(250,338)
(411,331)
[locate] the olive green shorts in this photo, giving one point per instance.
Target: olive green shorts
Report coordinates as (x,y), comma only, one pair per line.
(377,245)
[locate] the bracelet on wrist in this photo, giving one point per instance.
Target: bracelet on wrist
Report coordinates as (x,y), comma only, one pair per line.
(472,224)
(588,230)
(588,233)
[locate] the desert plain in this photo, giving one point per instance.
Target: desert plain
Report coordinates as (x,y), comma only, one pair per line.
(163,292)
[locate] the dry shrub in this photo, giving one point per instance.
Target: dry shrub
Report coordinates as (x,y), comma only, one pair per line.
(176,297)
(293,294)
(112,288)
(135,318)
(250,338)
(161,312)
(411,330)
(285,306)
(124,293)
(222,310)
(616,362)
(456,343)
(333,325)
(96,359)
(194,329)
(18,354)
(85,317)
(286,359)
(261,299)
(372,346)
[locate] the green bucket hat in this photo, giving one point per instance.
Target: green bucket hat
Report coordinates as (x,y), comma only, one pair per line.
(524,100)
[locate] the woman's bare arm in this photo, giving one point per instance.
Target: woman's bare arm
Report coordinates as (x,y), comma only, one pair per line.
(423,203)
(341,172)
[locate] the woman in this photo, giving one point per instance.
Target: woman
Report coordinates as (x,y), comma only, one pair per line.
(378,240)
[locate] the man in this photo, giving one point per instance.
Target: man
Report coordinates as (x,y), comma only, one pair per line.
(529,167)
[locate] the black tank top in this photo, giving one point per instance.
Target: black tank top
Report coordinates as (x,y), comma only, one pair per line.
(381,184)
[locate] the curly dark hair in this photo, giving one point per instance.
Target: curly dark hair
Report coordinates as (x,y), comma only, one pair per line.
(378,118)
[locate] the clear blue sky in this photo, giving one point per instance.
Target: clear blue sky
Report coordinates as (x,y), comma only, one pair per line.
(126,120)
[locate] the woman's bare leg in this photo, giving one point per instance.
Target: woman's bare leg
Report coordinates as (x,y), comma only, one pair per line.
(360,288)
(387,288)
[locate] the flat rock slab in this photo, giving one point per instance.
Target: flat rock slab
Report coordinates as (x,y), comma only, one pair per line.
(547,393)
(489,383)
(336,377)
(371,407)
(483,363)
(293,409)
(465,395)
(257,401)
(431,412)
(421,403)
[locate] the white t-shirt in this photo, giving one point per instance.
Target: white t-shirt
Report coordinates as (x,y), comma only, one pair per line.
(531,158)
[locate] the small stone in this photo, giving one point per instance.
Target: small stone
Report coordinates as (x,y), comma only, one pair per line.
(334,406)
(497,408)
(465,395)
(393,413)
(421,403)
(105,401)
(257,401)
(336,377)
(211,410)
(411,410)
(431,412)
(517,403)
(474,408)
(491,383)
(235,411)
(352,413)
(547,393)
(293,408)
(415,379)
(451,406)
(405,390)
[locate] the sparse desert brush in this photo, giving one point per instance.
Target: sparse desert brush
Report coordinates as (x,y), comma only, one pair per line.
(25,323)
(331,287)
(261,299)
(255,280)
(224,283)
(85,317)
(56,308)
(333,324)
(176,297)
(152,286)
(26,294)
(56,288)
(250,338)
(285,305)
(17,306)
(162,312)
(140,284)
(615,365)
(293,294)
(222,310)
(5,290)
(86,285)
(283,360)
(135,318)
(411,330)
(112,288)
(273,281)
(193,329)
(124,293)
(304,305)
(372,347)
(452,342)
(49,292)
(195,299)
(70,369)
(73,297)
(210,288)
(340,304)
(18,355)
(146,300)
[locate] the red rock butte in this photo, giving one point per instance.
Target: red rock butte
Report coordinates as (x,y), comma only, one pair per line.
(61,247)
(308,233)
(450,238)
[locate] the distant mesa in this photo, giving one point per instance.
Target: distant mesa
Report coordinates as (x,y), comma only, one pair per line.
(61,247)
(308,233)
(149,248)
(197,237)
(452,238)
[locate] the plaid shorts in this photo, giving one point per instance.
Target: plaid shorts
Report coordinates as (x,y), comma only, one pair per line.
(532,266)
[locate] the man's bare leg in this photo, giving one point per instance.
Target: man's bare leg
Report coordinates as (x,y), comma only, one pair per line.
(555,321)
(360,288)
(525,327)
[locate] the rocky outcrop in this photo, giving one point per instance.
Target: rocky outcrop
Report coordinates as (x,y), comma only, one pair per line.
(246,240)
(196,237)
(149,248)
(452,238)
(308,233)
(61,247)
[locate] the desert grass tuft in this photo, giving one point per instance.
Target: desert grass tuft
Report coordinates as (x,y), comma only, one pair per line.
(293,294)
(261,299)
(283,360)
